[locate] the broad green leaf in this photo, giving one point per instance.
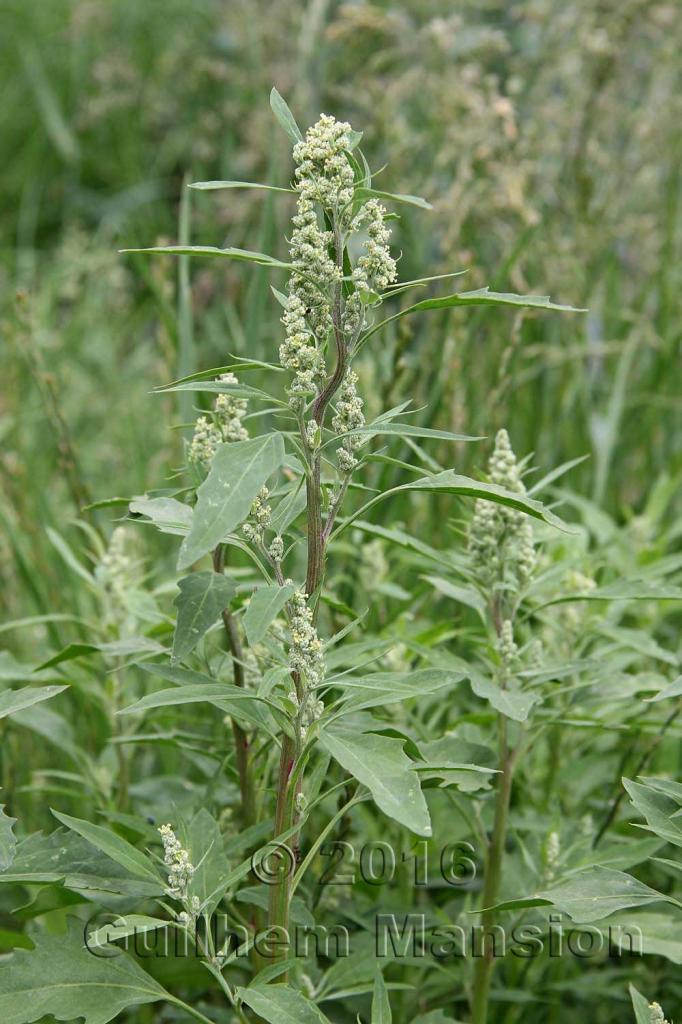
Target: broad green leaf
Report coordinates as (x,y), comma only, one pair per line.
(599,892)
(264,606)
(381,688)
(380,763)
(658,808)
(381,1007)
(512,703)
(261,258)
(212,186)
(392,197)
(8,842)
(203,597)
(131,924)
(464,595)
(62,978)
(226,696)
(16,700)
(640,1005)
(281,1004)
(167,514)
(237,473)
(119,849)
(449,482)
(646,934)
(286,119)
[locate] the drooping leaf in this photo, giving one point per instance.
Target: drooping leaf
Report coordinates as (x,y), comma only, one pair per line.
(62,978)
(380,763)
(392,197)
(203,597)
(119,849)
(264,606)
(449,482)
(381,688)
(381,1007)
(479,297)
(658,808)
(286,119)
(237,473)
(16,700)
(281,1004)
(400,429)
(226,696)
(167,514)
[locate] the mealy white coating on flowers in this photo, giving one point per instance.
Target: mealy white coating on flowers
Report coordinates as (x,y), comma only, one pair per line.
(348,417)
(261,515)
(376,268)
(305,651)
(224,425)
(656,1015)
(324,174)
(176,859)
(298,351)
(506,644)
(276,549)
(501,538)
(115,565)
(313,435)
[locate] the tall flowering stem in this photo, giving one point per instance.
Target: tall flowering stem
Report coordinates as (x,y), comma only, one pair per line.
(324,316)
(503,557)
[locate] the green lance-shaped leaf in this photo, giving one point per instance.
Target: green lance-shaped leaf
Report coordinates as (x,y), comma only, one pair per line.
(213,186)
(512,703)
(479,297)
(392,197)
(237,473)
(114,846)
(640,1005)
(286,119)
(62,978)
(265,605)
(380,763)
(381,1007)
(12,701)
(8,842)
(449,482)
(167,514)
(281,1004)
(592,895)
(203,597)
(261,258)
(121,928)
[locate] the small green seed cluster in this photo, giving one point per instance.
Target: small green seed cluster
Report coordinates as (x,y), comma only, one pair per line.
(501,538)
(305,652)
(223,425)
(552,854)
(324,174)
(506,645)
(656,1015)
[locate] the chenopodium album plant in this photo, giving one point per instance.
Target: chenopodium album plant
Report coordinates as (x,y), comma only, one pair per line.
(301,695)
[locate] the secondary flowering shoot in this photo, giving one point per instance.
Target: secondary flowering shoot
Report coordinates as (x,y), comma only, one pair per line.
(501,538)
(223,425)
(115,566)
(349,417)
(261,514)
(176,859)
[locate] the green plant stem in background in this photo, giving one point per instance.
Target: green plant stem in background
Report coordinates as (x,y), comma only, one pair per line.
(493,876)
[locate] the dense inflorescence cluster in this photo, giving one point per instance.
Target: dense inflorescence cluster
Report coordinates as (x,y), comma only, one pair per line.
(376,268)
(305,653)
(501,538)
(223,425)
(656,1015)
(348,417)
(114,569)
(261,515)
(177,860)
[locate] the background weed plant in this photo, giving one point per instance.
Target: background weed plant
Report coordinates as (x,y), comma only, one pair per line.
(321,656)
